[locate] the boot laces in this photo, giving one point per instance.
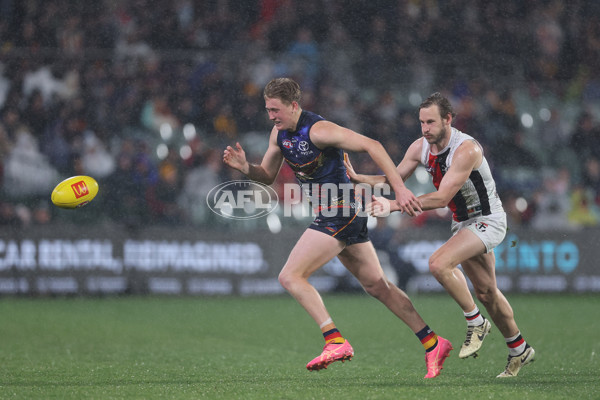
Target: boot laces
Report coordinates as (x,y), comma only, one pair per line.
(469,335)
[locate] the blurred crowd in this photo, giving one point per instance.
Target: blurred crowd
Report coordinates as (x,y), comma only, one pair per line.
(144,95)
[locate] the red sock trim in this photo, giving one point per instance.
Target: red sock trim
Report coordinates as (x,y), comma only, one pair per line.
(516,343)
(332,334)
(471,318)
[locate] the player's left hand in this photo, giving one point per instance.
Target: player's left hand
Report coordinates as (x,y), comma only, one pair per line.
(407,202)
(349,169)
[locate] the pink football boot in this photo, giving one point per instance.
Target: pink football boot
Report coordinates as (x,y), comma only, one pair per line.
(331,352)
(436,357)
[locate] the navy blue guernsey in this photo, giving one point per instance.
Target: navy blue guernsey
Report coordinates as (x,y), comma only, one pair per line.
(315,167)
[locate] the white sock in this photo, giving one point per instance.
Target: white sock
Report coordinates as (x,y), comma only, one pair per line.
(516,345)
(474,317)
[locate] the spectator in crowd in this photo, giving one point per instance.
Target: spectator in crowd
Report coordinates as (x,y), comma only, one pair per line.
(342,56)
(5,149)
(305,57)
(591,178)
(552,202)
(198,182)
(96,160)
(163,198)
(585,140)
(123,197)
(158,114)
(26,171)
(584,211)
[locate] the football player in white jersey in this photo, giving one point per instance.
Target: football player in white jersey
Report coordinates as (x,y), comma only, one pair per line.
(464,183)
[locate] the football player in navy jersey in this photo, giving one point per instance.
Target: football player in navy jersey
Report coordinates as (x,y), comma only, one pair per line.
(314,149)
(464,184)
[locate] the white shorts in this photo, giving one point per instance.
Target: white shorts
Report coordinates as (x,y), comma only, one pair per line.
(491,229)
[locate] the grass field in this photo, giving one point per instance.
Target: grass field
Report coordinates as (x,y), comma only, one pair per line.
(257,348)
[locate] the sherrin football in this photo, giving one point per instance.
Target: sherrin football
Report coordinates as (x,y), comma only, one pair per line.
(75,192)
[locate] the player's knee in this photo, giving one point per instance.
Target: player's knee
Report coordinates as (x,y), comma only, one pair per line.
(377,288)
(285,279)
(485,295)
(436,266)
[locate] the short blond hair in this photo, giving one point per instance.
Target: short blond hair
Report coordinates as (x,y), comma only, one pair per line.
(284,89)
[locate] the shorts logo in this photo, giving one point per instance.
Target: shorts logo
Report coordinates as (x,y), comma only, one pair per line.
(80,189)
(481,226)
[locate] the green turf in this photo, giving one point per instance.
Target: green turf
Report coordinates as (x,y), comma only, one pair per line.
(256,348)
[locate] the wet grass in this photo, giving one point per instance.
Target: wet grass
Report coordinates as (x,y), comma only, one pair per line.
(256,348)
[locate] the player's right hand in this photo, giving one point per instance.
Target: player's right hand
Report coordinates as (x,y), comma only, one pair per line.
(378,207)
(235,157)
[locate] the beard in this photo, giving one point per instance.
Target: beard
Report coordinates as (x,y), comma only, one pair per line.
(436,138)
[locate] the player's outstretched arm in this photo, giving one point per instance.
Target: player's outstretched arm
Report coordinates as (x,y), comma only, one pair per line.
(371,180)
(327,134)
(466,158)
(266,172)
(380,206)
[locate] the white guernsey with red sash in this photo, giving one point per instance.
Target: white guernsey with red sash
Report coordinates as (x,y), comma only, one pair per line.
(478,195)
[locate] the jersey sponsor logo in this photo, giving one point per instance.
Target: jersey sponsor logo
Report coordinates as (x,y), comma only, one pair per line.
(303,145)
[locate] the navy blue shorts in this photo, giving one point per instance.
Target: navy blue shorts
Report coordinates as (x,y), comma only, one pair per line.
(350,230)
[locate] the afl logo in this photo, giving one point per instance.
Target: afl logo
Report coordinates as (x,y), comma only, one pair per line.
(242,200)
(303,145)
(287,144)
